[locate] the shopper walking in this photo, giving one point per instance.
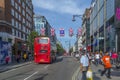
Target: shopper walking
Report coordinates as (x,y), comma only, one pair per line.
(107,65)
(97,58)
(114,58)
(84,63)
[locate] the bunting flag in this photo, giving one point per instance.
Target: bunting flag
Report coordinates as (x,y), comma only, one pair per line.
(79,32)
(62,32)
(118,13)
(70,32)
(42,30)
(52,31)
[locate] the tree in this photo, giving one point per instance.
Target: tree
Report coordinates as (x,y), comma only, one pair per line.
(60,49)
(30,40)
(71,50)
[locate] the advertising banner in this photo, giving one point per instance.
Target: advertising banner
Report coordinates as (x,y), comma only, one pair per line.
(5,52)
(62,32)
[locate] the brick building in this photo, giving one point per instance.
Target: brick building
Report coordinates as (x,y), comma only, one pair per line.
(16,22)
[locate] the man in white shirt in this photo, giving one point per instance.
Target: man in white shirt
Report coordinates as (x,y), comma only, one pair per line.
(84,63)
(97,58)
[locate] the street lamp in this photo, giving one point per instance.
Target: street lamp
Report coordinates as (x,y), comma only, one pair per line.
(104,25)
(73,18)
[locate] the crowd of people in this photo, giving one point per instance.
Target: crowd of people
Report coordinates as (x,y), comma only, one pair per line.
(26,55)
(107,59)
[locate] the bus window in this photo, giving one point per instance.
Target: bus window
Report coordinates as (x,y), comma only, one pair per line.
(43,41)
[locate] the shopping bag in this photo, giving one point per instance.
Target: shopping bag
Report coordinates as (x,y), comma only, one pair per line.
(89,74)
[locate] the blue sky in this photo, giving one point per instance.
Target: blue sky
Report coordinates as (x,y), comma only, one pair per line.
(59,15)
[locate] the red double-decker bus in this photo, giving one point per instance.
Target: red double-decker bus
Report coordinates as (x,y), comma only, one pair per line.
(44,50)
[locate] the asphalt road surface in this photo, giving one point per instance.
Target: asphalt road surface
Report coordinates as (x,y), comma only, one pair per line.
(62,69)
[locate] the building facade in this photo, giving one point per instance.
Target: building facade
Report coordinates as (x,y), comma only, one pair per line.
(102,27)
(41,22)
(16,22)
(86,29)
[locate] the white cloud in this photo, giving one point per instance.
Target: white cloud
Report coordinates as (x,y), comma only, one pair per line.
(60,6)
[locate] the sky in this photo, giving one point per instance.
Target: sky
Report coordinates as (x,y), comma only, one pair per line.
(59,15)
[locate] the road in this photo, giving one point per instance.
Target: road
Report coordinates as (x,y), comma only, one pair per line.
(62,69)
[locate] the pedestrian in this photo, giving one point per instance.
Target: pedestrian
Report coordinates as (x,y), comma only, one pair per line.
(7,59)
(17,58)
(97,58)
(114,58)
(119,57)
(84,63)
(110,53)
(90,57)
(107,65)
(25,56)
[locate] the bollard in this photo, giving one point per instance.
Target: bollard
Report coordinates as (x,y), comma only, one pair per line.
(89,74)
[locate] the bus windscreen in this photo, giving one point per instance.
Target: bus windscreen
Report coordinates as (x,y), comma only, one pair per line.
(43,41)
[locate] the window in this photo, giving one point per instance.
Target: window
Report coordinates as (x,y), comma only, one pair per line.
(23,4)
(19,17)
(23,36)
(13,32)
(16,15)
(19,25)
(12,2)
(23,12)
(19,1)
(20,34)
(19,9)
(13,22)
(16,33)
(24,22)
(0,38)
(9,40)
(43,41)
(24,29)
(16,5)
(12,12)
(16,24)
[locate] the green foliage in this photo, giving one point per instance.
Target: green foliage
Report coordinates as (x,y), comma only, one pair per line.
(60,49)
(31,38)
(71,50)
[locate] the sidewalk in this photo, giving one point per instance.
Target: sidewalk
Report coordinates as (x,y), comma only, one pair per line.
(115,73)
(6,67)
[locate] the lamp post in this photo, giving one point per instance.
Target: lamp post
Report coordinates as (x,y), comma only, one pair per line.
(104,25)
(74,16)
(73,19)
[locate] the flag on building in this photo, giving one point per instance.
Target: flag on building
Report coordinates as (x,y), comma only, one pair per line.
(42,31)
(118,13)
(52,31)
(70,32)
(79,32)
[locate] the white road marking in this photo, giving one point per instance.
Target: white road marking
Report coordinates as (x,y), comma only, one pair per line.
(31,75)
(46,66)
(9,70)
